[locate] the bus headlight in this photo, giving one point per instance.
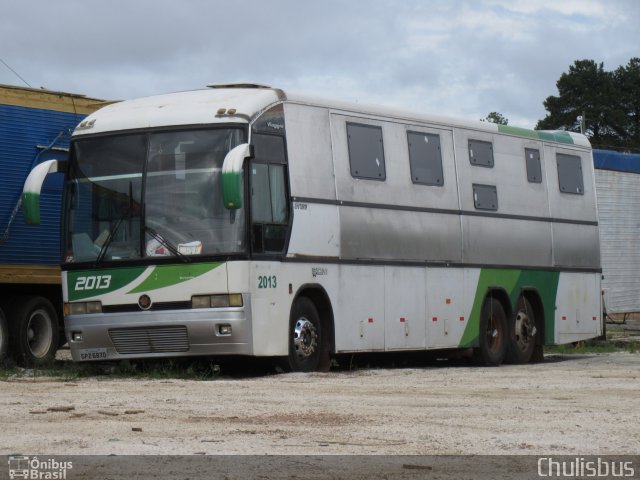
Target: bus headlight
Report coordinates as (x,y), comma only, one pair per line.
(82,308)
(217,301)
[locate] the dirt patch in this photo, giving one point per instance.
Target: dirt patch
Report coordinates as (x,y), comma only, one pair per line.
(566,405)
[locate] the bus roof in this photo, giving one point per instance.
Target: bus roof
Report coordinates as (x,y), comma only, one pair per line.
(241,102)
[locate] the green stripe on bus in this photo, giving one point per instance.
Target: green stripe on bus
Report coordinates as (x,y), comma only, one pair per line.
(557,136)
(89,283)
(513,282)
(167,275)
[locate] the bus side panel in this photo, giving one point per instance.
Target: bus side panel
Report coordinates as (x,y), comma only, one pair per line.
(309,151)
(360,310)
(405,308)
(391,219)
(576,245)
(270,308)
(315,232)
(573,245)
(496,241)
(446,316)
(491,240)
(399,235)
(578,313)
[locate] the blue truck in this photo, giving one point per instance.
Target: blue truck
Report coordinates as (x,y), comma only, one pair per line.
(35,125)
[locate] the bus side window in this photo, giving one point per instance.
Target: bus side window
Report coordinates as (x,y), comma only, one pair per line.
(269,206)
(425,158)
(570,174)
(481,153)
(366,151)
(485,197)
(534,169)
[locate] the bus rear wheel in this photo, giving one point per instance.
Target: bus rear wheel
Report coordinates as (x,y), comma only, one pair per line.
(34,329)
(522,334)
(493,334)
(308,348)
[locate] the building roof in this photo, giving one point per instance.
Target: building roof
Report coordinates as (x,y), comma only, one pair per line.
(617,161)
(49,100)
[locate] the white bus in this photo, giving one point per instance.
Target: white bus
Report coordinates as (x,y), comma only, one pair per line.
(243,220)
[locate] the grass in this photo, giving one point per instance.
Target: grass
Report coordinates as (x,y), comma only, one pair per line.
(595,346)
(203,369)
(66,370)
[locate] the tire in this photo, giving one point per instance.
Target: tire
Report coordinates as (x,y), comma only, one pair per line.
(523,331)
(34,331)
(308,345)
(493,334)
(4,336)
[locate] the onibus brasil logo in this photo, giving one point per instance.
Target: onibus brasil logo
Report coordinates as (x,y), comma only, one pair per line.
(40,469)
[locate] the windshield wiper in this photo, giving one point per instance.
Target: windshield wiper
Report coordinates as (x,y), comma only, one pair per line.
(167,244)
(112,234)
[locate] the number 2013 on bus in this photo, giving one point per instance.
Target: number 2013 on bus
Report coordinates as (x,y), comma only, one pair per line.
(94,282)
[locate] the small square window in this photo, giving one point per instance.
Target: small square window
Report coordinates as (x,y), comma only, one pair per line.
(268,148)
(366,151)
(570,174)
(425,158)
(481,153)
(534,169)
(485,197)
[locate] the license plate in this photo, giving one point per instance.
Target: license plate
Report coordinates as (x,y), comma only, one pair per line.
(93,354)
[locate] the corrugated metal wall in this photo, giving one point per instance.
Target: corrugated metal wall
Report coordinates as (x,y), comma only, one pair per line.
(21,131)
(619,212)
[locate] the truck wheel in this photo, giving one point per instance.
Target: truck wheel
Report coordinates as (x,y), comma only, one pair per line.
(308,346)
(493,334)
(522,334)
(4,336)
(34,331)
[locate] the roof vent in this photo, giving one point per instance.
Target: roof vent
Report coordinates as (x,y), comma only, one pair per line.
(237,85)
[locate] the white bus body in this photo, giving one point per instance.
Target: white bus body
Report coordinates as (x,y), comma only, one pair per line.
(316,228)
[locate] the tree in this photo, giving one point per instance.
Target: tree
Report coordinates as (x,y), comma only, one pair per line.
(627,79)
(495,117)
(607,103)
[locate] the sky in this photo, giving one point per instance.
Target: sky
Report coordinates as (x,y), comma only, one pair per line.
(460,58)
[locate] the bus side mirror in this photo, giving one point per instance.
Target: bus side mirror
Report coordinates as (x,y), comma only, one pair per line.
(232,185)
(32,188)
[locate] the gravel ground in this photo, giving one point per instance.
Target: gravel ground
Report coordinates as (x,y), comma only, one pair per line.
(573,405)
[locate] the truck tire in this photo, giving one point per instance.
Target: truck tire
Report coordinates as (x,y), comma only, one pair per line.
(4,336)
(34,331)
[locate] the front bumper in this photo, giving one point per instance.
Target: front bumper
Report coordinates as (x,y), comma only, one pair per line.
(158,334)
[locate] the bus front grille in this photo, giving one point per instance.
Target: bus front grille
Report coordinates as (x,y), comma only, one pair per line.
(130,341)
(133,307)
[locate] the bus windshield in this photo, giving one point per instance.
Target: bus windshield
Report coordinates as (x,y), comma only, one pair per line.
(156,194)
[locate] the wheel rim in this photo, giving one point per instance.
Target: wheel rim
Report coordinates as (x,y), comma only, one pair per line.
(305,338)
(524,330)
(494,333)
(39,333)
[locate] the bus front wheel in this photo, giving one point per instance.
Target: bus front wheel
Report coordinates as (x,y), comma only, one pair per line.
(493,334)
(308,347)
